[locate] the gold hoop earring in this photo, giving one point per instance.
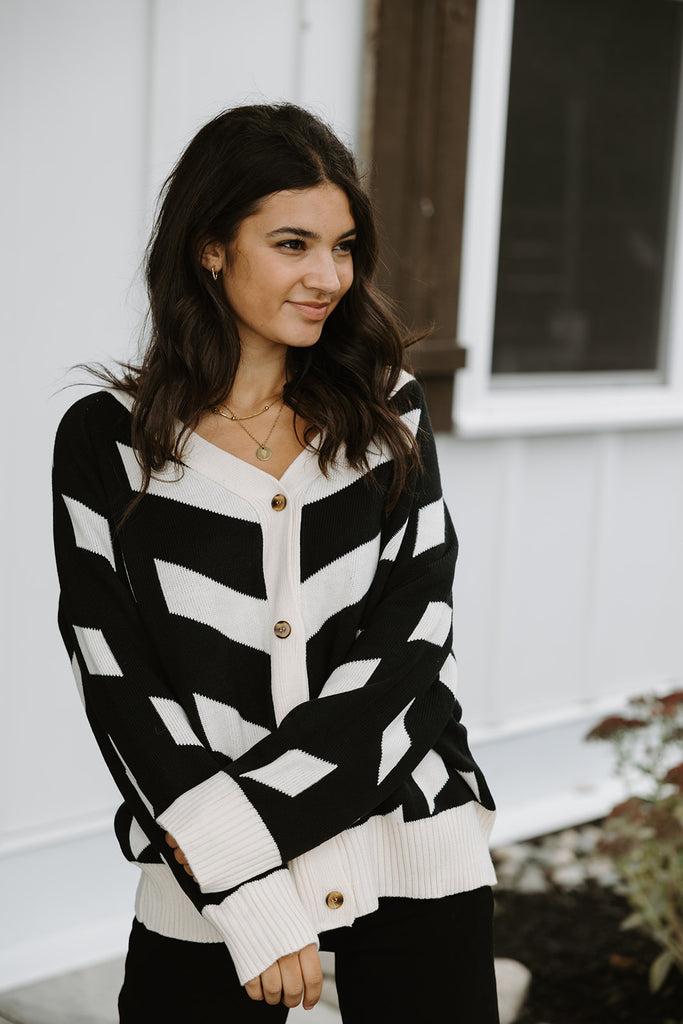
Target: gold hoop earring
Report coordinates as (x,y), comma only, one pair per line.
(215,274)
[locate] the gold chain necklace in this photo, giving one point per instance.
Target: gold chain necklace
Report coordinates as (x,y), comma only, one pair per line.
(219,412)
(263,452)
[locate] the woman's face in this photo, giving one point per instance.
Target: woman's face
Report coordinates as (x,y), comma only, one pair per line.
(289,266)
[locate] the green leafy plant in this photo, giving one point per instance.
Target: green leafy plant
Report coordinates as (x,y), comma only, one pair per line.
(644,835)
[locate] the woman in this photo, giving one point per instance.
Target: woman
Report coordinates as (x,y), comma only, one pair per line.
(256,570)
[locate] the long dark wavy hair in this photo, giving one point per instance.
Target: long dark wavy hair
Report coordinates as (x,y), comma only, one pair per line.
(340,387)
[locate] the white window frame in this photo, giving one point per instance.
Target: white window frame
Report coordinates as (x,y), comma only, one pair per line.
(562,403)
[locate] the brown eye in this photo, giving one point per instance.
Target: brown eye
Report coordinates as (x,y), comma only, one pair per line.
(292,244)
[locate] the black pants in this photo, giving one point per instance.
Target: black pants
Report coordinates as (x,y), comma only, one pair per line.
(412,960)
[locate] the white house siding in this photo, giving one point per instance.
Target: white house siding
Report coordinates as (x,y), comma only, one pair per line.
(98,98)
(568,588)
(569,503)
(568,599)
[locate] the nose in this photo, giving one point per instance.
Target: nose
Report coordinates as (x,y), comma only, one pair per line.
(322,274)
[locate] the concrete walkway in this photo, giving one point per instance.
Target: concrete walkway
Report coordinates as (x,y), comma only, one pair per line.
(89,997)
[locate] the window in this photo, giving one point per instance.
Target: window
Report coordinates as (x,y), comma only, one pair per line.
(587,182)
(539,227)
(571,290)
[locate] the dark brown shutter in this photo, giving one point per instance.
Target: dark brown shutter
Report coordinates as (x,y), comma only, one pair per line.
(418,139)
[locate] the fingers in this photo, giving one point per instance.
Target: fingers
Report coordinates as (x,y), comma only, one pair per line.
(271,983)
(292,980)
(179,855)
(312,975)
(289,979)
(253,988)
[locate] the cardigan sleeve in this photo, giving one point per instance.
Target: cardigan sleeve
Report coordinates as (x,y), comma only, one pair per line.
(117,671)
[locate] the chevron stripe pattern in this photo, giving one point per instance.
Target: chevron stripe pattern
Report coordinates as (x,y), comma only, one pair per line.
(431,775)
(176,721)
(195,596)
(225,729)
(395,744)
(292,773)
(91,530)
(265,677)
(97,654)
(186,486)
(339,585)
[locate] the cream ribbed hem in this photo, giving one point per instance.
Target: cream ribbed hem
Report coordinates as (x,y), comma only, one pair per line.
(384,856)
(222,835)
(162,906)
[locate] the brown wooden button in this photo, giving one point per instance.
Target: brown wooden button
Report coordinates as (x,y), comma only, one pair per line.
(278,502)
(282,629)
(334,900)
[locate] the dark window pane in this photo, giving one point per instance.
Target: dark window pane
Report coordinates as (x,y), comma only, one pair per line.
(590,137)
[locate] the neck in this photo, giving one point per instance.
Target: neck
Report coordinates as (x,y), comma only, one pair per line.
(257,381)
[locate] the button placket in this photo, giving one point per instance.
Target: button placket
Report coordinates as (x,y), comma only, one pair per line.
(281,521)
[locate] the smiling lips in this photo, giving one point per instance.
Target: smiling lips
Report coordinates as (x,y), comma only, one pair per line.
(312,310)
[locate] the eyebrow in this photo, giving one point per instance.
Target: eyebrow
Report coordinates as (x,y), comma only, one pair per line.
(304,233)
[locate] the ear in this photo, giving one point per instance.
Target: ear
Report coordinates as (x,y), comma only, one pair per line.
(213,256)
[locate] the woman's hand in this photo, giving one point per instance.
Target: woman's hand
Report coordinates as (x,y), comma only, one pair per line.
(178,854)
(290,978)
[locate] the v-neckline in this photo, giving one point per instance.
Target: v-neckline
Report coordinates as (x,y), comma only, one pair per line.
(236,474)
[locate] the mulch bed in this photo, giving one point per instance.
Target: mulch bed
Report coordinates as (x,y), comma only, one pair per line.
(585,969)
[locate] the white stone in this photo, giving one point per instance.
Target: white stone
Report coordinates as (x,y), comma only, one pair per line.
(588,839)
(513,980)
(566,840)
(322,1013)
(516,853)
(532,879)
(569,876)
(327,963)
(555,856)
(602,871)
(508,874)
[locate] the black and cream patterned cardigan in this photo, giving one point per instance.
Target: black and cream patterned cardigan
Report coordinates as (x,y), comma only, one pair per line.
(266,665)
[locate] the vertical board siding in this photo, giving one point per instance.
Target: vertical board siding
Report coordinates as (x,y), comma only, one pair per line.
(205,59)
(545,568)
(473,484)
(72,202)
(569,586)
(100,98)
(330,62)
(103,98)
(639,641)
(567,600)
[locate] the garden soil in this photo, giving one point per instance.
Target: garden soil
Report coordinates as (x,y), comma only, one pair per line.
(585,969)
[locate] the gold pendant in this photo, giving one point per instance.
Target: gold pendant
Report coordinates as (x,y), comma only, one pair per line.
(263,453)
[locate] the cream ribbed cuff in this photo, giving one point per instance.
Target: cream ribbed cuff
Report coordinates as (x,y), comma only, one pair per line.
(220,832)
(261,922)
